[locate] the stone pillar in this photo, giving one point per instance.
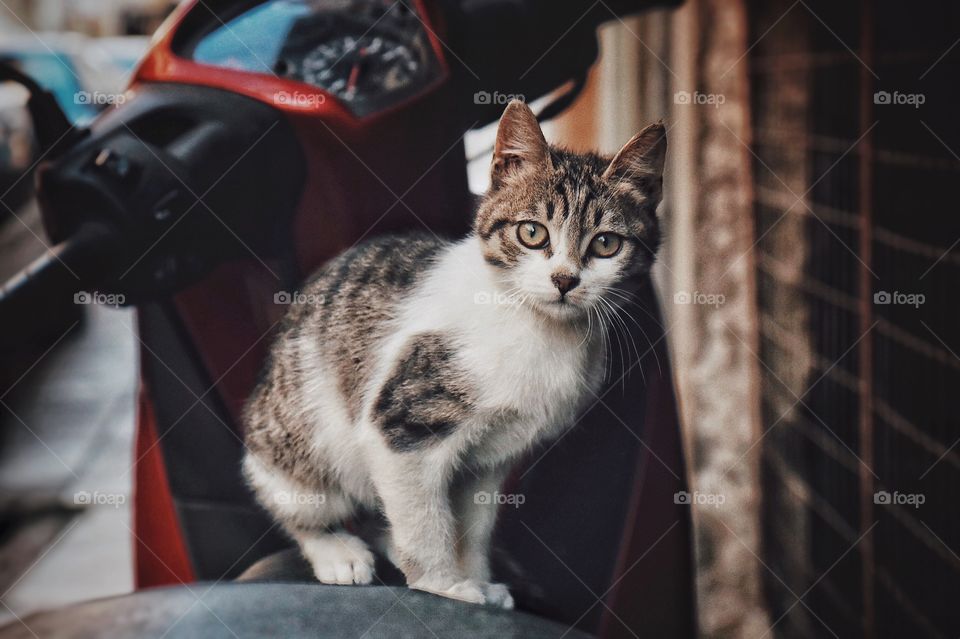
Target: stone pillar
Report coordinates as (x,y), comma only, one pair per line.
(709,291)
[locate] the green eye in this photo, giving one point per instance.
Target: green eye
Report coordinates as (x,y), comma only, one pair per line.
(606,245)
(533,235)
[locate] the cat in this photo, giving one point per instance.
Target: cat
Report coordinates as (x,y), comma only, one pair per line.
(422,369)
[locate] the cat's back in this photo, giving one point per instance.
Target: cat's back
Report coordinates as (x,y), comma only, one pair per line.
(353,298)
(378,269)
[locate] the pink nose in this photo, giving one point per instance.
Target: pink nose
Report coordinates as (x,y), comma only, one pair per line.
(564,282)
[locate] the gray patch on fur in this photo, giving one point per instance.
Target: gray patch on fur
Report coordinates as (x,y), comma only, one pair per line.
(425,396)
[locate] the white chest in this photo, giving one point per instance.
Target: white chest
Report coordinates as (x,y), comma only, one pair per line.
(528,386)
(528,376)
(519,366)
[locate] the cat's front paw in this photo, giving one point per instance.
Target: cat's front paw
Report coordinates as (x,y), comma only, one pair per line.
(339,558)
(497,595)
(467,590)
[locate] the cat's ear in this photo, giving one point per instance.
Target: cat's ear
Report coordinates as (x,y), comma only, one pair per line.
(520,147)
(641,159)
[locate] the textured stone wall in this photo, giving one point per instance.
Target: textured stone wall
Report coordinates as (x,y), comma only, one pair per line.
(709,272)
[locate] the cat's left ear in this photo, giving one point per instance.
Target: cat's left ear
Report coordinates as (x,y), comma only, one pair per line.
(641,160)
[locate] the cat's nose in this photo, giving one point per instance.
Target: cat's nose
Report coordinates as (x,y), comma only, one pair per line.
(564,282)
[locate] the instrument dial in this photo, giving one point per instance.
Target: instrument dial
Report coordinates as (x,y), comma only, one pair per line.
(349,66)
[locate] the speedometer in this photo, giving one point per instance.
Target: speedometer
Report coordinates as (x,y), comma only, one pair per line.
(349,67)
(368,54)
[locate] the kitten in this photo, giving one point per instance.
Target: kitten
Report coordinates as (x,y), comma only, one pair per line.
(423,368)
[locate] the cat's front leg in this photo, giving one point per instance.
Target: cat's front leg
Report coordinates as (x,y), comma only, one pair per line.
(420,417)
(414,489)
(475,499)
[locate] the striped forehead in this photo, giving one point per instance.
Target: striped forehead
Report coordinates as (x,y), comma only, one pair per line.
(575,206)
(574,201)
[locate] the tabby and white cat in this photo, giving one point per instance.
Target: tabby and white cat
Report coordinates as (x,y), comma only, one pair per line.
(425,368)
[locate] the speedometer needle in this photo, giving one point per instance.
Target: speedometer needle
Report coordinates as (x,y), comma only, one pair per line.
(355,72)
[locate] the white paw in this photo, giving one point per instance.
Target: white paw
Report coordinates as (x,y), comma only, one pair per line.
(497,595)
(339,558)
(467,590)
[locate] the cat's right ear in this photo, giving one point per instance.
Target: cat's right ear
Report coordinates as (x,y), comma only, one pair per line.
(641,159)
(521,148)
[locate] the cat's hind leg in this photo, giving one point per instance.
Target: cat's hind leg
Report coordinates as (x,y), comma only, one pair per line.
(314,517)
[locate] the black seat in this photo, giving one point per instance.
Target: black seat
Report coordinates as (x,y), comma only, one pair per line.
(290,611)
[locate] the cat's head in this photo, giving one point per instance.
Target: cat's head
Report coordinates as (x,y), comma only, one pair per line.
(561,229)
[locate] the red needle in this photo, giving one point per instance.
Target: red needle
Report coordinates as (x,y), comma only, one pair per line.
(355,72)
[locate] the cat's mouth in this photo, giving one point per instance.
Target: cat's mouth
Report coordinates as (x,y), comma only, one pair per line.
(565,307)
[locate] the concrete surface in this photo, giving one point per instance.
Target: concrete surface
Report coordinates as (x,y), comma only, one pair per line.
(66,445)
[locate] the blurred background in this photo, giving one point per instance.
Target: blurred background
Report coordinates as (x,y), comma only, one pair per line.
(67,385)
(808,277)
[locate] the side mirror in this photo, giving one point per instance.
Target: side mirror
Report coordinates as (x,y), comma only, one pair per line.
(50,124)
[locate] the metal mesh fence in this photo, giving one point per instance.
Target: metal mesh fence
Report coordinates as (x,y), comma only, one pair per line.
(855,173)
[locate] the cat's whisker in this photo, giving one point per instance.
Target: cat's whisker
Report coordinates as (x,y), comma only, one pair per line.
(615,290)
(616,309)
(620,296)
(624,292)
(586,336)
(636,348)
(610,326)
(508,295)
(616,332)
(644,309)
(645,336)
(621,326)
(605,344)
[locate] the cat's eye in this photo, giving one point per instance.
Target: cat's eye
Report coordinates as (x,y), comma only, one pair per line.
(606,245)
(533,235)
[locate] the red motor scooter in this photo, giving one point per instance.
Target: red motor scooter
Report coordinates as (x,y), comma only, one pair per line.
(261,138)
